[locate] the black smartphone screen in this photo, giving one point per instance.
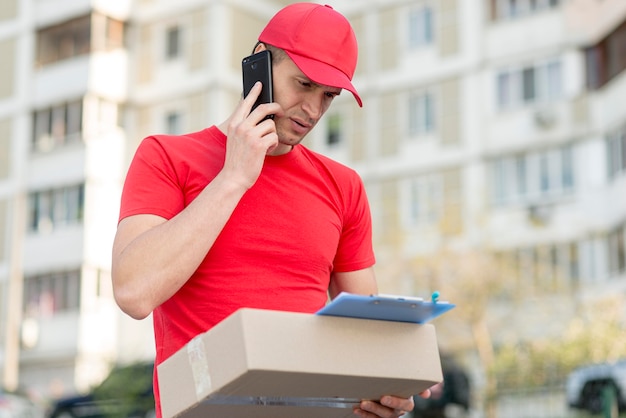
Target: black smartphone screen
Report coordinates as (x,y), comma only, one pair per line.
(258,67)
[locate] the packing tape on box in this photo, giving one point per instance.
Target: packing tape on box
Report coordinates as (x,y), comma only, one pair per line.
(218,399)
(199,366)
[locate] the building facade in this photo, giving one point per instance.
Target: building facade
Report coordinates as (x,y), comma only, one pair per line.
(488,125)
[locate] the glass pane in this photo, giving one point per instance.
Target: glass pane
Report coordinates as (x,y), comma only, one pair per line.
(429,113)
(567,168)
(42,130)
(333,132)
(74,119)
(528,80)
(73,290)
(420,27)
(554,80)
(428,25)
(173,43)
(497,180)
(114,33)
(414,108)
(173,123)
(544,173)
(59,207)
(58,124)
(520,175)
(504,93)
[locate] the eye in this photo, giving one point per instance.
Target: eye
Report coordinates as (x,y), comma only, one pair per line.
(305,83)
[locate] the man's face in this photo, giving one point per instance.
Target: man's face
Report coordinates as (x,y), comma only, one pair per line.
(303,102)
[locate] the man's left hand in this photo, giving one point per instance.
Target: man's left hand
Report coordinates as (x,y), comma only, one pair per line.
(388,407)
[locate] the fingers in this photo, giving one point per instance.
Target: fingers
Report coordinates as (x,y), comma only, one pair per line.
(388,407)
(246,104)
(254,127)
(249,139)
(244,111)
(425,394)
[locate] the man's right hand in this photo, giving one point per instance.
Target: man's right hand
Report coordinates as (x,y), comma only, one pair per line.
(250,137)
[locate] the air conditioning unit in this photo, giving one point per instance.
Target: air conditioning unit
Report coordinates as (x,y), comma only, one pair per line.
(544,118)
(538,215)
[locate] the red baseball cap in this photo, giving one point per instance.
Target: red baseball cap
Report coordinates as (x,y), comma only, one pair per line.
(319,40)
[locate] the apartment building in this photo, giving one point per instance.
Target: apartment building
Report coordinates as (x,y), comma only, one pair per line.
(64,81)
(488,125)
(492,127)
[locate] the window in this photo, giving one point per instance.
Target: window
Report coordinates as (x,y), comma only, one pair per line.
(108,33)
(50,209)
(420,27)
(421,114)
(616,153)
(528,84)
(333,129)
(57,126)
(67,40)
(512,9)
(425,200)
(79,37)
(520,175)
(617,254)
(553,79)
(525,178)
(546,267)
(540,83)
(173,123)
(606,59)
(172,43)
(47,294)
(505,89)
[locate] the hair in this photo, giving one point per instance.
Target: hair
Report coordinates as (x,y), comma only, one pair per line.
(278,54)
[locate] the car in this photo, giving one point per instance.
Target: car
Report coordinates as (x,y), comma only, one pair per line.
(596,387)
(127,392)
(18,404)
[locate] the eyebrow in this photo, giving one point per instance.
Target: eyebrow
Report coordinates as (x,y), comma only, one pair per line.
(325,87)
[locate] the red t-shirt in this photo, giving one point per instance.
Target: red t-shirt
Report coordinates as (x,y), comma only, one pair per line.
(305,217)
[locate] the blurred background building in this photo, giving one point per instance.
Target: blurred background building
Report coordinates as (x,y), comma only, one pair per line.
(491,127)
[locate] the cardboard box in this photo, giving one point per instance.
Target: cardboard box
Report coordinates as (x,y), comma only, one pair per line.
(273,364)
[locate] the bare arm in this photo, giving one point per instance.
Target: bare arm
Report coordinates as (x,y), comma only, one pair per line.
(360,282)
(153,257)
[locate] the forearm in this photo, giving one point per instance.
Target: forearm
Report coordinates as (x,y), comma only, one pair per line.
(154,257)
(360,282)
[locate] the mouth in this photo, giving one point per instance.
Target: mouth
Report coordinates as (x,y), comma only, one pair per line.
(300,126)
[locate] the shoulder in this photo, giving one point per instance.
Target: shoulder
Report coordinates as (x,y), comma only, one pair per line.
(183,141)
(181,147)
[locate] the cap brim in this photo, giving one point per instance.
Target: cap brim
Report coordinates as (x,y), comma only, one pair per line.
(325,74)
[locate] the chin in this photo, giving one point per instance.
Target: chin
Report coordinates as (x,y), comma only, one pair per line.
(290,140)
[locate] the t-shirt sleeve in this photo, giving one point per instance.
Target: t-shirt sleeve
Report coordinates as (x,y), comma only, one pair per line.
(152,185)
(355,250)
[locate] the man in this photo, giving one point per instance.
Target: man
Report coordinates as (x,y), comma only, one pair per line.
(240,214)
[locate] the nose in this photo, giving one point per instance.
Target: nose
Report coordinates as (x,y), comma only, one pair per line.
(313,105)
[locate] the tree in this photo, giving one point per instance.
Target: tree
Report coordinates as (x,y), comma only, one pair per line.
(470,279)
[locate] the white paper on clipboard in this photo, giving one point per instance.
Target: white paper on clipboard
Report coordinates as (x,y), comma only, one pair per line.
(385,307)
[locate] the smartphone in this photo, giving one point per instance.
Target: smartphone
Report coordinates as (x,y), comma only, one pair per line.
(258,67)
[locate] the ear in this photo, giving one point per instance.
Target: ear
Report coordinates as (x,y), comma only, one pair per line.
(259,47)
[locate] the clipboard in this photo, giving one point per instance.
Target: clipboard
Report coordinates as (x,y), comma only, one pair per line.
(386,308)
